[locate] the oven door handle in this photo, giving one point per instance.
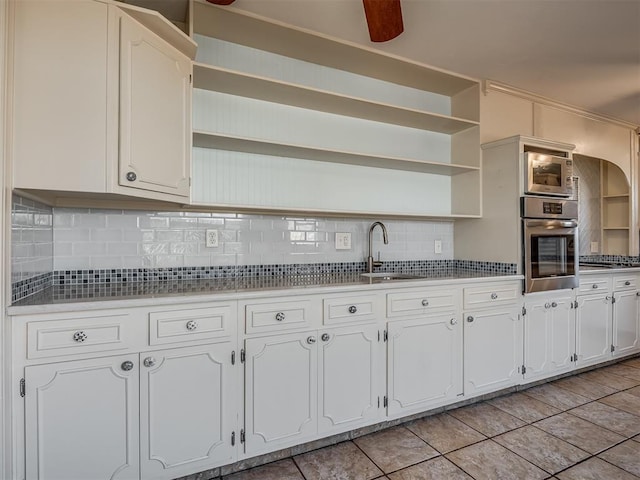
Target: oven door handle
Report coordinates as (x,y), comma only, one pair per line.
(552,223)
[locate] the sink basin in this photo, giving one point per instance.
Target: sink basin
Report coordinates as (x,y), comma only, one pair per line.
(390,276)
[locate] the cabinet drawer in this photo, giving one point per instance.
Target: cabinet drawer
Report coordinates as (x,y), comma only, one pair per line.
(625,282)
(191,324)
(417,302)
(281,315)
(594,285)
(499,294)
(350,309)
(78,336)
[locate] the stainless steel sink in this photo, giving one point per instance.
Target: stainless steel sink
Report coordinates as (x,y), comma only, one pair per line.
(390,276)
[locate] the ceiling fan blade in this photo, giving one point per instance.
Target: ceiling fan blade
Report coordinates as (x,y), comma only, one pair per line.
(384,18)
(221,2)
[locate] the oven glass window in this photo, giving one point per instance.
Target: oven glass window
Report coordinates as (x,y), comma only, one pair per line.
(547,174)
(552,256)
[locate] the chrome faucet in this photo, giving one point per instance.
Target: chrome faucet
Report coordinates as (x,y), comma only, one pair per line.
(371,263)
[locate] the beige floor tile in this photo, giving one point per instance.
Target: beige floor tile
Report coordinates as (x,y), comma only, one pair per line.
(524,407)
(581,433)
(624,371)
(609,417)
(282,470)
(624,401)
(632,362)
(584,387)
(595,469)
(437,469)
(395,448)
(445,433)
(542,449)
(487,419)
(344,461)
(634,391)
(626,456)
(490,461)
(556,396)
(609,379)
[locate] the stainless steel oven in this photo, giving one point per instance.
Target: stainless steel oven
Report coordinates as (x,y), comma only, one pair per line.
(550,243)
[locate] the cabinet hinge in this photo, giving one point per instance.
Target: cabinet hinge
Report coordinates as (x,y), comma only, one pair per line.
(613,348)
(242,435)
(233,438)
(190,78)
(524,311)
(378,340)
(613,299)
(524,369)
(575,304)
(378,402)
(385,402)
(233,357)
(386,337)
(23,387)
(574,358)
(242,356)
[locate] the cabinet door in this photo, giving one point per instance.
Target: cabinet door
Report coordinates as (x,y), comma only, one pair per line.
(625,323)
(281,374)
(492,349)
(348,377)
(424,362)
(593,329)
(81,420)
(562,334)
(155,112)
(187,414)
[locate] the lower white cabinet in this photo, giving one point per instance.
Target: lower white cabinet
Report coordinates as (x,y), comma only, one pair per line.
(492,349)
(301,384)
(424,363)
(160,415)
(593,328)
(626,323)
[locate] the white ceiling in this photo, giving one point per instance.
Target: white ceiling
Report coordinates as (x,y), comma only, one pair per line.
(584,53)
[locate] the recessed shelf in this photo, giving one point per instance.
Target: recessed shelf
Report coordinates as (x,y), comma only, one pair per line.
(263,147)
(232,82)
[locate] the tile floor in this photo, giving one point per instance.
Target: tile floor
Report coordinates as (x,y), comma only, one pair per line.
(582,427)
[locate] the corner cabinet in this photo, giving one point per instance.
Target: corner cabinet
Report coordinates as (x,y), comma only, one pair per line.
(288,120)
(114,113)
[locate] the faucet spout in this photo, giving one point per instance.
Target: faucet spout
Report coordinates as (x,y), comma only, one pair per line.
(371,263)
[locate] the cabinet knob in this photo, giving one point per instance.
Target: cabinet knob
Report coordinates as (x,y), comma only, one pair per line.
(627,283)
(126,366)
(149,362)
(607,298)
(554,304)
(594,286)
(469,319)
(280,316)
(453,321)
(192,325)
(131,176)
(547,305)
(494,296)
(325,337)
(311,340)
(353,309)
(79,336)
(425,303)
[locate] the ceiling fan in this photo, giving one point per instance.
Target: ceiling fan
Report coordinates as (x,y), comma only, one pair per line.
(384,18)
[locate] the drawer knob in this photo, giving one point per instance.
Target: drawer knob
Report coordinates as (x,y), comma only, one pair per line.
(353,309)
(547,305)
(126,366)
(627,283)
(325,337)
(79,336)
(494,296)
(131,176)
(554,304)
(469,319)
(594,286)
(453,321)
(311,340)
(192,325)
(149,362)
(280,316)
(425,303)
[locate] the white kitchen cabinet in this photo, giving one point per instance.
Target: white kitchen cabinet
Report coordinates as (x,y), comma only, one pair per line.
(626,316)
(593,328)
(549,334)
(188,412)
(424,362)
(81,419)
(113,115)
(492,349)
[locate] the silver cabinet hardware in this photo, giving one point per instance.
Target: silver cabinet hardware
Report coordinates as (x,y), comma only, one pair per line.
(453,321)
(353,309)
(126,366)
(554,304)
(469,319)
(79,336)
(494,296)
(311,340)
(425,303)
(637,294)
(325,337)
(547,305)
(149,362)
(280,316)
(594,286)
(608,297)
(627,283)
(192,325)
(131,176)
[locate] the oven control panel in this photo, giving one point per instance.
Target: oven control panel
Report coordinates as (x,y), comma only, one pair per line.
(539,207)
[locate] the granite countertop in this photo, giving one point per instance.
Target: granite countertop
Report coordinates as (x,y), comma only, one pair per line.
(104,292)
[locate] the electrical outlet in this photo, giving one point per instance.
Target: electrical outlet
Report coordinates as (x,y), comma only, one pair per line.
(343,241)
(211,238)
(437,246)
(594,247)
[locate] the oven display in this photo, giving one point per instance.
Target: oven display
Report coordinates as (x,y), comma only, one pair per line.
(552,208)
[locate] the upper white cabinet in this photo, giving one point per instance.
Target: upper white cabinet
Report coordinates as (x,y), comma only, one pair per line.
(101,101)
(283,116)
